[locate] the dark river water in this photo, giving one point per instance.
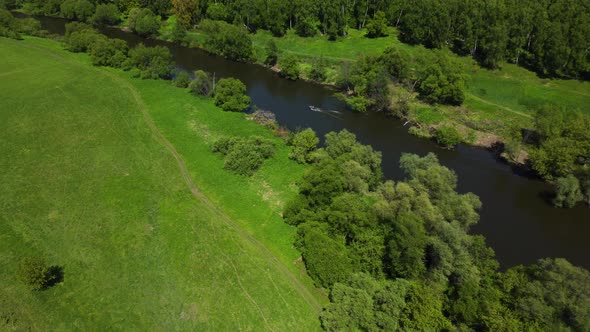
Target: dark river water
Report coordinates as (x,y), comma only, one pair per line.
(516,218)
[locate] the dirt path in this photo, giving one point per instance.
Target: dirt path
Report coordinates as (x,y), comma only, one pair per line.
(159,137)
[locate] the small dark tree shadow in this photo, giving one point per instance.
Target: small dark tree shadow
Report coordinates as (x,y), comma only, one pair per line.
(55,275)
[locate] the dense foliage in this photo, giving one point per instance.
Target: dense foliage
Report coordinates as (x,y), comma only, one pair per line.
(549,36)
(106,14)
(398,255)
(230,95)
(244,155)
(12,27)
(153,62)
(303,143)
(227,40)
(447,136)
(561,152)
(143,22)
(289,67)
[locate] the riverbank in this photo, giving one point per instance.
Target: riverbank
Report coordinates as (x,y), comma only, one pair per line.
(498,102)
(95,188)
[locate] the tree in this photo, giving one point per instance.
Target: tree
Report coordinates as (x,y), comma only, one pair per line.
(108,52)
(143,22)
(326,258)
(377,27)
(318,70)
(289,67)
(244,156)
(185,11)
(227,40)
(272,53)
(447,136)
(303,144)
(230,95)
(80,10)
(106,14)
(35,272)
(568,192)
(202,84)
(182,79)
(153,62)
(441,80)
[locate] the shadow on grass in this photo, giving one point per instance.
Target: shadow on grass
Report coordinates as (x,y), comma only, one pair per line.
(55,275)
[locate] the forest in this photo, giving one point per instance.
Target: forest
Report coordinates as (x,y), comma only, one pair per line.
(551,37)
(399,256)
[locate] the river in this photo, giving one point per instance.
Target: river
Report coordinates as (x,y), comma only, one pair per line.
(516,218)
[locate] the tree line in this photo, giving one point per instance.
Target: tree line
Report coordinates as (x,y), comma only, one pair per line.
(551,37)
(399,256)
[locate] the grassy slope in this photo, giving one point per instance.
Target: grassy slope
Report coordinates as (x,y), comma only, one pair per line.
(495,99)
(86,184)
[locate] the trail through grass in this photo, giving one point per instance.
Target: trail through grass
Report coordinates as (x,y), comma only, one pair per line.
(92,183)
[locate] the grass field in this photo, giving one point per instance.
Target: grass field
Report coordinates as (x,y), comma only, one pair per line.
(113,179)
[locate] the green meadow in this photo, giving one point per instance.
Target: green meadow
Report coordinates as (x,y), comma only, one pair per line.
(113,179)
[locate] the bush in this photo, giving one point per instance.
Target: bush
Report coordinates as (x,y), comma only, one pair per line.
(272,53)
(377,27)
(202,84)
(230,95)
(304,144)
(80,10)
(143,22)
(289,67)
(182,80)
(244,156)
(108,52)
(318,71)
(447,136)
(82,40)
(178,34)
(8,24)
(106,14)
(34,272)
(441,80)
(153,62)
(227,40)
(568,192)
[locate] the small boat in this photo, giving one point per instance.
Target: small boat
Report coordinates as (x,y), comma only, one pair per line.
(315,109)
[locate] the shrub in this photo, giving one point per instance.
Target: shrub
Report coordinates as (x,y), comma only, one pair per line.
(109,52)
(178,34)
(318,70)
(106,14)
(447,136)
(80,10)
(35,272)
(289,67)
(143,22)
(568,192)
(8,25)
(304,144)
(82,40)
(227,40)
(202,84)
(244,156)
(441,81)
(182,80)
(153,62)
(377,27)
(230,95)
(272,53)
